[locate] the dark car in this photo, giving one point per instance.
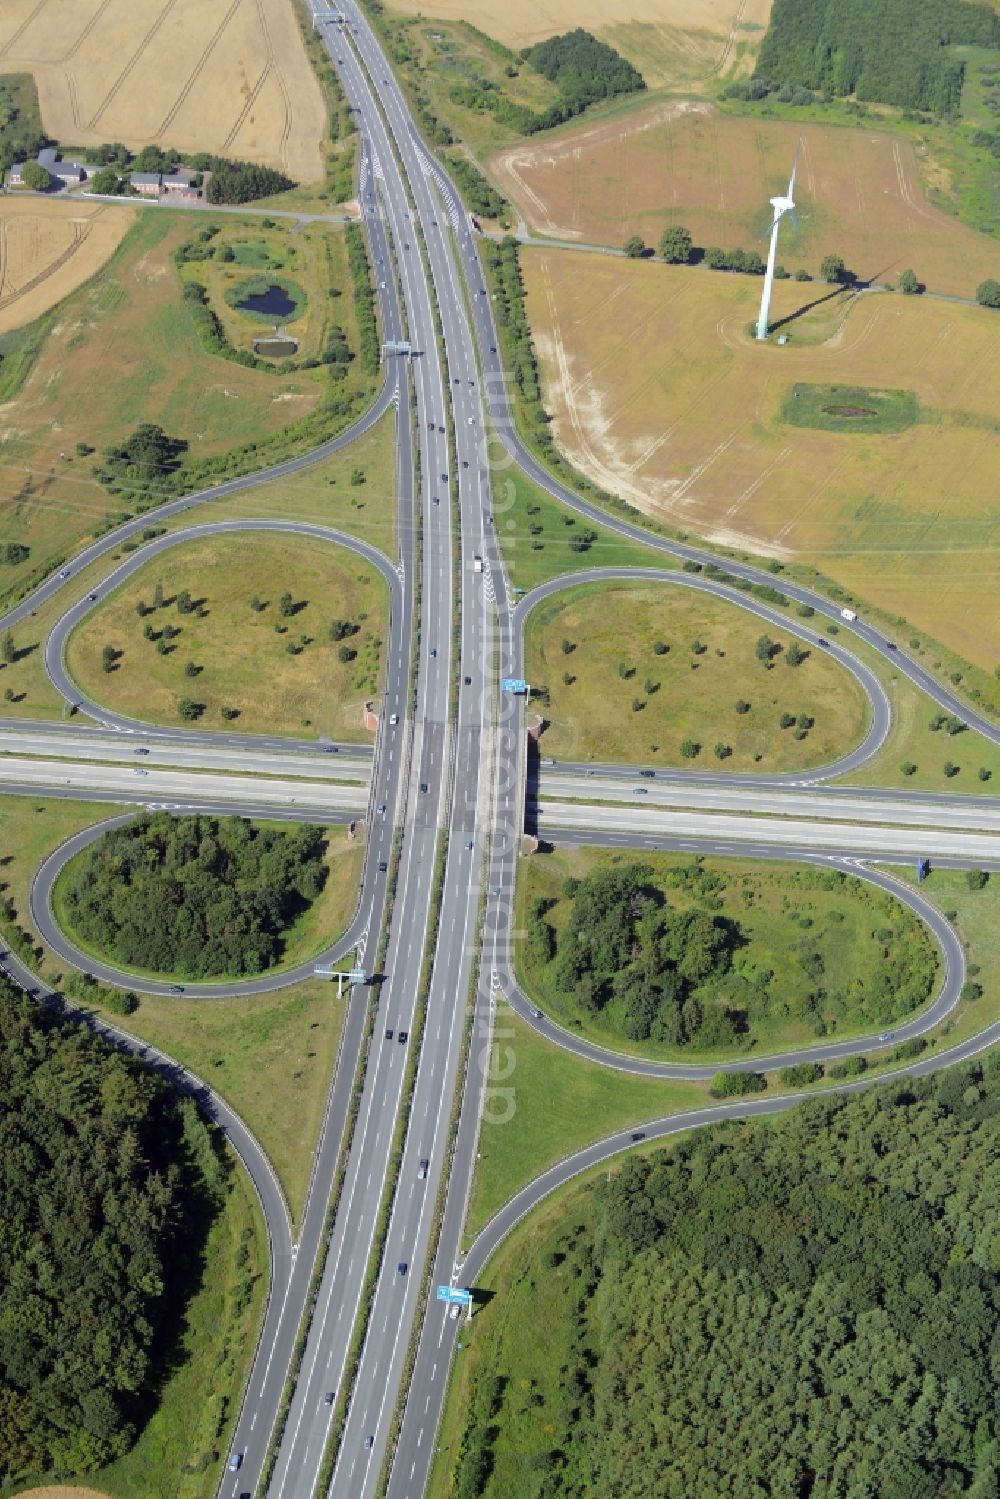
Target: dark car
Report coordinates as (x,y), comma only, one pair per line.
(423,786)
(403,1037)
(637,1135)
(388,1033)
(444,478)
(649,774)
(382,866)
(401,1268)
(328,1398)
(467,681)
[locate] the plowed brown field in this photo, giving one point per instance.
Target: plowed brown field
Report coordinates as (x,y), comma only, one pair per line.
(48,248)
(659,391)
(202,75)
(858,192)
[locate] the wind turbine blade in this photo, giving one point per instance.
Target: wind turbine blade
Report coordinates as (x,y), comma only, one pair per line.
(795,167)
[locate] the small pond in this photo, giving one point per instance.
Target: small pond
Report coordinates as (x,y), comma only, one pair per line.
(275,348)
(273,302)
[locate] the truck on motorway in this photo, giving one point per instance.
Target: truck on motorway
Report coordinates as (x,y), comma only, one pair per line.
(848,614)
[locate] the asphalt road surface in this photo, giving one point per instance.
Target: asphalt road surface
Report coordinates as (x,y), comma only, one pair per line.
(729,833)
(152,749)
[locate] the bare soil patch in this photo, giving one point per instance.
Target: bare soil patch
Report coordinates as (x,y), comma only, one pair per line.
(58,1492)
(202,75)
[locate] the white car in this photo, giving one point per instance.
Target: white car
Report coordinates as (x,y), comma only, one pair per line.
(394,719)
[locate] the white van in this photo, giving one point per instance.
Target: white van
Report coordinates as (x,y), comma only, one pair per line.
(848,614)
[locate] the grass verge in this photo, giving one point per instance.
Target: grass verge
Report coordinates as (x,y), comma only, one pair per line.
(235,630)
(818,956)
(180,1448)
(557,1105)
(635,671)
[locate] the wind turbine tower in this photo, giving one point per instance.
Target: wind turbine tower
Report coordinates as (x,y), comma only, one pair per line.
(781,206)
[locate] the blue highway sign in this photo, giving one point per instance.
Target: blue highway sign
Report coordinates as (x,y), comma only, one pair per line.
(453,1294)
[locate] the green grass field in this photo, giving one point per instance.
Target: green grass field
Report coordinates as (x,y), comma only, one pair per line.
(976,915)
(613,696)
(314,930)
(849,408)
(542,1104)
(809,929)
(270,1055)
(542,539)
(280,672)
(324,494)
(524,1323)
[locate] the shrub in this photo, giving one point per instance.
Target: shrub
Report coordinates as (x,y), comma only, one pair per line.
(676,245)
(800,1074)
(737,1084)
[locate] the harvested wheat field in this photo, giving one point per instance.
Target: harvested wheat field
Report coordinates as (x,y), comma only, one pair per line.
(669,41)
(201,75)
(659,392)
(48,249)
(859,193)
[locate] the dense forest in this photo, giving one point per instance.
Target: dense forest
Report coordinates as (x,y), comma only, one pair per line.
(583,68)
(194,896)
(675,965)
(105,1175)
(798,1309)
(243,181)
(889,51)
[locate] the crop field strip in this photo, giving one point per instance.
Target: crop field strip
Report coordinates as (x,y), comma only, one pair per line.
(860,193)
(669,41)
(238,81)
(40,251)
(659,391)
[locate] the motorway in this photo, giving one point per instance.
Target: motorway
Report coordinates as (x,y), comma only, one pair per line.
(450,778)
(342,762)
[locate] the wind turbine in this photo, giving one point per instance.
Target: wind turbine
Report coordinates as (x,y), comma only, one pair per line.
(781,206)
